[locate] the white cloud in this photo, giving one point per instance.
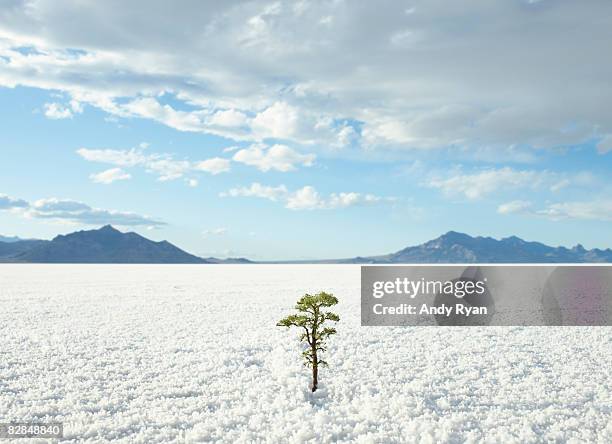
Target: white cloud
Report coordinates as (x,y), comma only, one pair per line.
(427,79)
(122,158)
(305,198)
(10,203)
(77,212)
(72,211)
(168,169)
(192,183)
(560,185)
(109,176)
(276,157)
(595,210)
(346,136)
(215,165)
(76,107)
(150,108)
(405,39)
(221,231)
(163,165)
(600,210)
(605,144)
(480,184)
(326,21)
(516,206)
(350,199)
(258,190)
(279,121)
(228,118)
(58,111)
(53,205)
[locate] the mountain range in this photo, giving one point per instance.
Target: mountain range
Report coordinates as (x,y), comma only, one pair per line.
(109,245)
(9,239)
(105,245)
(454,247)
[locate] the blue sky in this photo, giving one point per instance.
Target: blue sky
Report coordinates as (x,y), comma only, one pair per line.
(307,130)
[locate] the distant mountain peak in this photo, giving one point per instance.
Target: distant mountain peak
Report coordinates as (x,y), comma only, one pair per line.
(454,235)
(9,239)
(106,231)
(107,245)
(447,240)
(456,247)
(108,227)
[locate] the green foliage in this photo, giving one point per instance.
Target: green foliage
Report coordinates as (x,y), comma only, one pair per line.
(311,318)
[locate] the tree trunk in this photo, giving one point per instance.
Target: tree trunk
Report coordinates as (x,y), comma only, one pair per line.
(315,358)
(315,370)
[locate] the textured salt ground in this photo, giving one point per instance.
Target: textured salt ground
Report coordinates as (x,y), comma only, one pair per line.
(141,354)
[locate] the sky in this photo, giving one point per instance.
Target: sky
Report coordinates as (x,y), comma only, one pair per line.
(302,130)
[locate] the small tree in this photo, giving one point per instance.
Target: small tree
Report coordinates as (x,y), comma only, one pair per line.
(311,318)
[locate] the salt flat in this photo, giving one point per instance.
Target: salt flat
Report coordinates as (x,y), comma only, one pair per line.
(175,353)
